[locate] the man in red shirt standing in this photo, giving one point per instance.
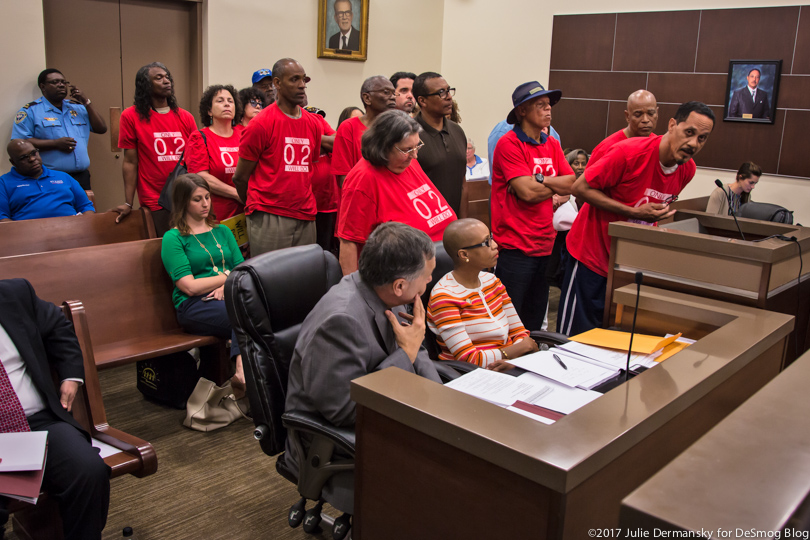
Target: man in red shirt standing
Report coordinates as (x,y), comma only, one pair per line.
(528,169)
(635,181)
(153,133)
(642,117)
(377,94)
(276,163)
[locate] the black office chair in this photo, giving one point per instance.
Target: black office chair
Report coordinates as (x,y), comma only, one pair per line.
(268,297)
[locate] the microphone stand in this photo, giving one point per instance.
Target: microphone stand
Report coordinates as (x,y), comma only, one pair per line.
(639,278)
(719,184)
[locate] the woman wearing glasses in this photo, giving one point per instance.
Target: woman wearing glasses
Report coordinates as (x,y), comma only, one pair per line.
(213,152)
(388,184)
(252,100)
(469,310)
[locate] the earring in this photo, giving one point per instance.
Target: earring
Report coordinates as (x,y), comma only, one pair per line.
(466,260)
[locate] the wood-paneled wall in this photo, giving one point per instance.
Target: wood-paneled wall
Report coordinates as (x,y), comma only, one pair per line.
(598,60)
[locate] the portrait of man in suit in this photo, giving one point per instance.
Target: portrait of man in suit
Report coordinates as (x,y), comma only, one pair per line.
(348,37)
(750,101)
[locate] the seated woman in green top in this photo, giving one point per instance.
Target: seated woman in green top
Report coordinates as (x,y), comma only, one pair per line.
(199,255)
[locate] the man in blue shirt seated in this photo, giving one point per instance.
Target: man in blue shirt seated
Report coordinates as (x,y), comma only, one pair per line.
(31,191)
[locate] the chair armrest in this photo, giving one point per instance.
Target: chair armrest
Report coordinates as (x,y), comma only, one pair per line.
(131,445)
(549,338)
(451,369)
(317,425)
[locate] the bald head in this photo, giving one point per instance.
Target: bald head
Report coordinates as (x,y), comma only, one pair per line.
(25,158)
(461,233)
(641,114)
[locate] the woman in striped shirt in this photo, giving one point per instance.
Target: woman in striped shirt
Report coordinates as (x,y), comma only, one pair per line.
(469,309)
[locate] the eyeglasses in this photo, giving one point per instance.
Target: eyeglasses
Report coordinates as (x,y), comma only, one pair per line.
(256,104)
(486,243)
(29,155)
(443,93)
(412,151)
(344,14)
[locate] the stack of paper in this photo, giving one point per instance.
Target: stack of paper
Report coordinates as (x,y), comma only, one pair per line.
(22,462)
(568,370)
(609,347)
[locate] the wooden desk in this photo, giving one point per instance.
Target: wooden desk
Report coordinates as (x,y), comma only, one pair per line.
(436,463)
(710,260)
(750,472)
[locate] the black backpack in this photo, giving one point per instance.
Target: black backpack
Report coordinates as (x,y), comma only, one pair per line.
(766,212)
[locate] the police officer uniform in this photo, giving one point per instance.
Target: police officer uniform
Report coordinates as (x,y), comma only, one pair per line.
(41,120)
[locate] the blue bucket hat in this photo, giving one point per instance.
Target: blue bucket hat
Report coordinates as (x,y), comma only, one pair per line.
(527,91)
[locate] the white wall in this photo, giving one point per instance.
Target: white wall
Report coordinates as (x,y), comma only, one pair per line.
(246,35)
(491,47)
(19,64)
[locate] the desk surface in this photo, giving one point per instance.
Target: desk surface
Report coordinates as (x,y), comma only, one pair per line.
(751,471)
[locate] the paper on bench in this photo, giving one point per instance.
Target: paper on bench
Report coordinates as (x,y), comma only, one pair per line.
(579,373)
(561,398)
(497,388)
(104,449)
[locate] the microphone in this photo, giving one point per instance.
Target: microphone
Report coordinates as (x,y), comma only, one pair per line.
(719,184)
(639,278)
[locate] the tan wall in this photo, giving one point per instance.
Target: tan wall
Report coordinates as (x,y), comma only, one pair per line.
(491,47)
(19,64)
(408,39)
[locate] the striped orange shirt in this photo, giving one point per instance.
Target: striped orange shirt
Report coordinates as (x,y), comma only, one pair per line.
(472,325)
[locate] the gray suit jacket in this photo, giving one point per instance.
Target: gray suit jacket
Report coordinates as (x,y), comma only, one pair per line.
(344,337)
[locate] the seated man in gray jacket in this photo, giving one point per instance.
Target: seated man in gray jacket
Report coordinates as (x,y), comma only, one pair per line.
(361,326)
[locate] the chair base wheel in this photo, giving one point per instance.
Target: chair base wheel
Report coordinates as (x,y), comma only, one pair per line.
(341,527)
(312,519)
(296,513)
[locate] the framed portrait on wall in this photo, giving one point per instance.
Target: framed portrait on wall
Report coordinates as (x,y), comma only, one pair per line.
(343,29)
(751,90)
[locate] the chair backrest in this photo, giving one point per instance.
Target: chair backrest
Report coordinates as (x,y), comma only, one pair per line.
(52,234)
(268,297)
(766,212)
(444,264)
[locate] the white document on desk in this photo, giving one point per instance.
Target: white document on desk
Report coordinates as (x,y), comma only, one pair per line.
(23,451)
(611,358)
(561,398)
(577,372)
(500,389)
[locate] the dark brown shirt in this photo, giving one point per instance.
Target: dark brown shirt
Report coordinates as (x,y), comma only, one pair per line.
(444,159)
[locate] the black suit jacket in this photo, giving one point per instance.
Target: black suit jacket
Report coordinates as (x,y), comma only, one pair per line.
(741,103)
(44,339)
(354,41)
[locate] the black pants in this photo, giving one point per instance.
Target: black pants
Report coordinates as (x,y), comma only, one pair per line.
(83,178)
(161,219)
(325,231)
(75,476)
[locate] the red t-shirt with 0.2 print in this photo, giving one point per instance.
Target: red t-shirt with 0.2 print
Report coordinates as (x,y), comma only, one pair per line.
(373,195)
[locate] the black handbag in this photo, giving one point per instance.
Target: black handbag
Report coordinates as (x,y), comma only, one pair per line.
(165,199)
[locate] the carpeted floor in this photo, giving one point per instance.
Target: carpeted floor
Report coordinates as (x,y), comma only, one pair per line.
(217,485)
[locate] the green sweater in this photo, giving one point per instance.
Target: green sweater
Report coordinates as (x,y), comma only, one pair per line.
(183,256)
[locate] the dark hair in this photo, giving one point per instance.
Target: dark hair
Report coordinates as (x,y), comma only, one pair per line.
(393,251)
(689,107)
(143,90)
(455,113)
(207,101)
(387,130)
(747,170)
(755,69)
(45,72)
(574,154)
(246,95)
(401,75)
(183,187)
(346,114)
(419,83)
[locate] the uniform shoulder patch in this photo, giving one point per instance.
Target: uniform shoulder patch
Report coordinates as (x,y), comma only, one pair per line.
(21,115)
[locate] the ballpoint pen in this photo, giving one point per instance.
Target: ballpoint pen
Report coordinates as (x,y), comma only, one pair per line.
(557,358)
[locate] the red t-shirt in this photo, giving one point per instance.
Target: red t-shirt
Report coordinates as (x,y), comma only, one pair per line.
(324,183)
(346,152)
(160,142)
(629,173)
(602,148)
(284,149)
(218,157)
(374,195)
(516,224)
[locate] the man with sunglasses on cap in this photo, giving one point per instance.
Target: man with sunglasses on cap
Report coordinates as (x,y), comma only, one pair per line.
(528,169)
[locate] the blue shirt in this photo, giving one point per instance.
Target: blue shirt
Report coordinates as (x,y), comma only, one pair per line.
(501,129)
(41,120)
(53,194)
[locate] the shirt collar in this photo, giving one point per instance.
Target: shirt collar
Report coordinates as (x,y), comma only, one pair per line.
(45,173)
(478,160)
(521,135)
(430,129)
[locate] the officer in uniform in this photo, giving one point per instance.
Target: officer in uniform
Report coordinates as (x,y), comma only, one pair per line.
(58,127)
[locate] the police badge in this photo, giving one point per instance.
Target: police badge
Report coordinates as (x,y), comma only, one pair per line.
(21,115)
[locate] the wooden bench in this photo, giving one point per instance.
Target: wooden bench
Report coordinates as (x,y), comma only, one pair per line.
(136,456)
(475,200)
(127,295)
(51,234)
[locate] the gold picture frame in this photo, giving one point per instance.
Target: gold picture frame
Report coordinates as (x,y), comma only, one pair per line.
(331,37)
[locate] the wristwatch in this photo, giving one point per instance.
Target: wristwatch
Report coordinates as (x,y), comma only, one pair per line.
(540,178)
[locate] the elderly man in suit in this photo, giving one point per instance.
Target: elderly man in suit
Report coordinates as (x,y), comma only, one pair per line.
(361,326)
(348,38)
(749,101)
(35,337)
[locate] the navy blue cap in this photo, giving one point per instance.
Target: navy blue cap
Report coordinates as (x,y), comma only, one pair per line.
(261,74)
(527,91)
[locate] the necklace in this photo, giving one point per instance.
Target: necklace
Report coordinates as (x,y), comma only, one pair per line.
(222,253)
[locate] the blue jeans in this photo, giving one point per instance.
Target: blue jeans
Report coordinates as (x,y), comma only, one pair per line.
(525,280)
(207,319)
